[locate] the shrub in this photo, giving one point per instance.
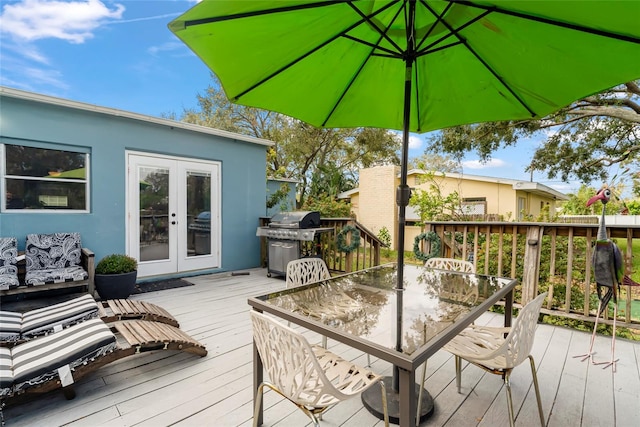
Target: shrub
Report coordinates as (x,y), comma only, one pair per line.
(116,264)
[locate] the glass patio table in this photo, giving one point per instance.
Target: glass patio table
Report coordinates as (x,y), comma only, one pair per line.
(364,310)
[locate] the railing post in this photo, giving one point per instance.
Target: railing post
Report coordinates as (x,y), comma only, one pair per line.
(531,264)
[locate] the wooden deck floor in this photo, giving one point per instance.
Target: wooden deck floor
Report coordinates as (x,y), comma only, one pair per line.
(163,388)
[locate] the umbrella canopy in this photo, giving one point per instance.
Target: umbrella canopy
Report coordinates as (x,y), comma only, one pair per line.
(343,63)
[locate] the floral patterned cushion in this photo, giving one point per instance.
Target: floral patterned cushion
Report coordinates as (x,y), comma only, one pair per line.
(55,275)
(8,267)
(53,258)
(53,251)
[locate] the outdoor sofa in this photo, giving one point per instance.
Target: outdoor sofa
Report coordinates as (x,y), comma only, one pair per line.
(50,261)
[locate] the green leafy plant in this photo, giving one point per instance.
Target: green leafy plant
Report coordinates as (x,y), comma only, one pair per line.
(385,237)
(116,264)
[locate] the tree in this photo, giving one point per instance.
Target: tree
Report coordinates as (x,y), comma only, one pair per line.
(432,205)
(581,140)
(301,151)
(436,163)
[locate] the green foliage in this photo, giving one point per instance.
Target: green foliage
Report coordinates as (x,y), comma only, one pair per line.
(581,140)
(116,264)
(436,246)
(301,152)
(385,237)
(432,205)
(279,196)
(634,207)
(577,203)
(328,206)
(635,259)
(341,242)
(329,180)
(436,162)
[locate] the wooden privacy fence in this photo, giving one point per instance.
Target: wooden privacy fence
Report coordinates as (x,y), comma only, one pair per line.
(543,256)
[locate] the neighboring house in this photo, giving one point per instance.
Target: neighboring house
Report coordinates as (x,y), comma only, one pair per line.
(374,201)
(181,198)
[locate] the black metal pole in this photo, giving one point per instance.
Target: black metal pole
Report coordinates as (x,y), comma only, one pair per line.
(403,193)
(371,397)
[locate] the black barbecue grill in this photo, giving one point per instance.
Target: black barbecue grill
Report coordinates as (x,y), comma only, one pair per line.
(288,235)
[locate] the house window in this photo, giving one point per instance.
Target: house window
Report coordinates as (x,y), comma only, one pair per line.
(474,206)
(44,179)
(522,208)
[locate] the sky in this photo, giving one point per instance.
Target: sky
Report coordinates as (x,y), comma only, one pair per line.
(120,54)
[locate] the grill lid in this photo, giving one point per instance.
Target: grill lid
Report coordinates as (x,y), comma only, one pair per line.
(297,219)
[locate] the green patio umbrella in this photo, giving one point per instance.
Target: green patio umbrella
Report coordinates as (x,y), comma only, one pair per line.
(413,65)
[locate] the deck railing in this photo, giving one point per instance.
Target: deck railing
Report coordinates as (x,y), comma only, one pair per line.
(544,256)
(365,256)
(553,257)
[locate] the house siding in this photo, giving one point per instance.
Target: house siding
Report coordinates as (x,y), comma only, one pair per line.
(107,137)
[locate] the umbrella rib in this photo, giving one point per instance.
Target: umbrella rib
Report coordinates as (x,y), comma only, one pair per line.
(367,19)
(455,32)
(439,18)
(452,32)
(341,34)
(554,22)
(392,54)
(373,46)
(295,61)
(213,19)
(344,92)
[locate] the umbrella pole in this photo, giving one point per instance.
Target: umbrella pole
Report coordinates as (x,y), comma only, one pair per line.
(372,400)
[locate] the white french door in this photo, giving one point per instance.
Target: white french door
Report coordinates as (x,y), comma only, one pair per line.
(173,213)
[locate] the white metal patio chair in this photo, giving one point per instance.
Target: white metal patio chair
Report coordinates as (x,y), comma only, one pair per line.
(489,349)
(306,270)
(451,264)
(311,377)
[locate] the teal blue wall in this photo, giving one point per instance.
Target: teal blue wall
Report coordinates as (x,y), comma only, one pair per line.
(106,137)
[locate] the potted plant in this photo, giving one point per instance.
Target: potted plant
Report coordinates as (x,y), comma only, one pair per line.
(115,276)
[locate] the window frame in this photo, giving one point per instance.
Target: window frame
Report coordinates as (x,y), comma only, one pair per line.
(4,176)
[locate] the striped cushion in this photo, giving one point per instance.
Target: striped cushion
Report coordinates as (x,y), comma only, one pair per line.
(6,375)
(43,320)
(43,355)
(10,325)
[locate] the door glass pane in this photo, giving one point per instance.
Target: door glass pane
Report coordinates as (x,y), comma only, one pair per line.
(198,213)
(154,213)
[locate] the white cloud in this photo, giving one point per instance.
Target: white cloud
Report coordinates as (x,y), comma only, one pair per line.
(477,164)
(74,21)
(415,142)
(166,47)
(49,78)
(148,18)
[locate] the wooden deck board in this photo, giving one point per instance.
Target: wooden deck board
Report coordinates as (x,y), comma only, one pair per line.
(166,388)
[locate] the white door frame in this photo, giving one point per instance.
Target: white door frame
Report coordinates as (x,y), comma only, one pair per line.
(179,260)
